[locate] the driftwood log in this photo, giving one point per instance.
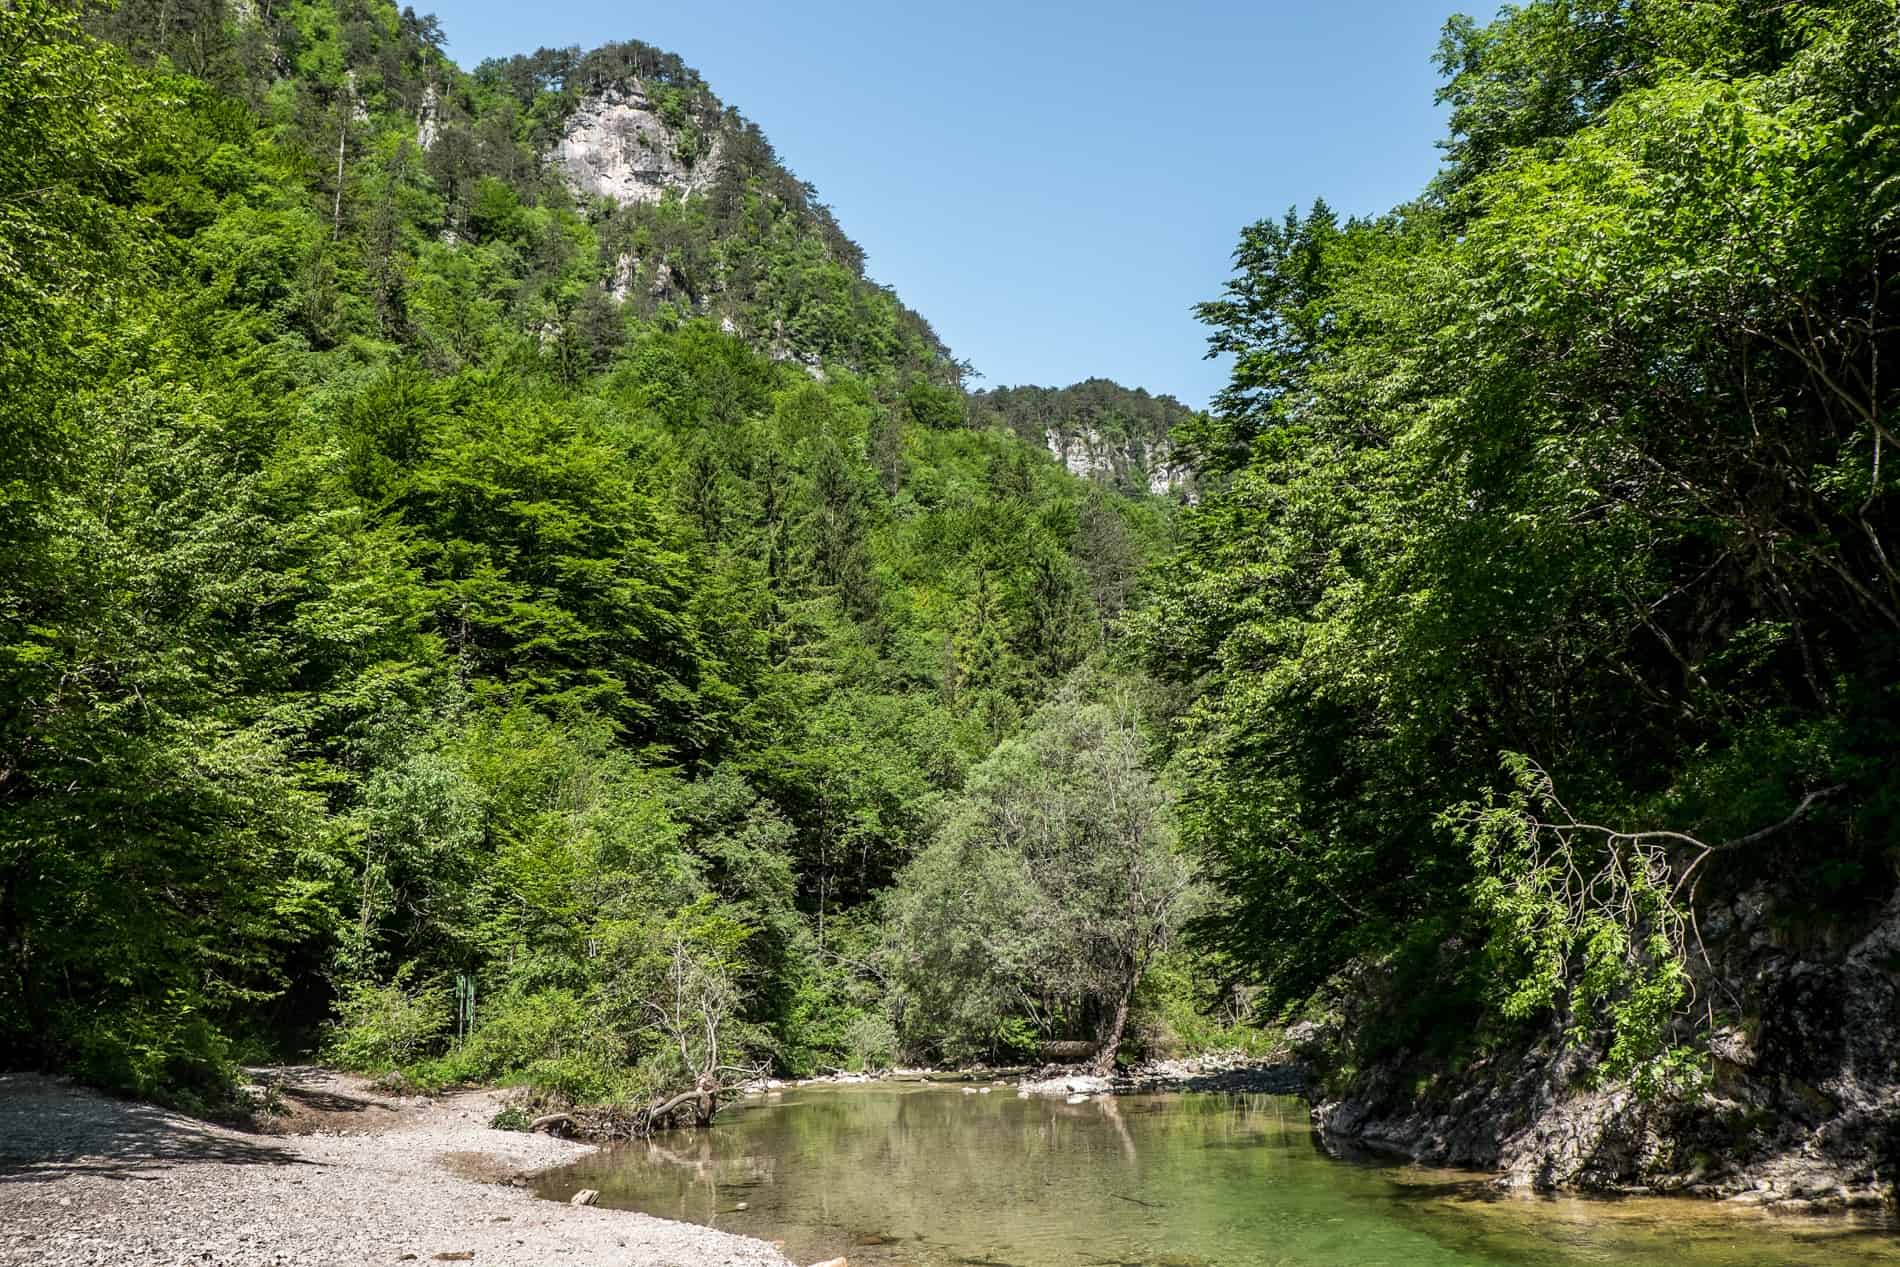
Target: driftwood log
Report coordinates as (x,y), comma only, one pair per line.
(702,1098)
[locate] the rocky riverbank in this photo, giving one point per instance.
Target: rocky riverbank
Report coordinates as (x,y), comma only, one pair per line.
(343,1176)
(1802,1112)
(1230,1071)
(1226,1071)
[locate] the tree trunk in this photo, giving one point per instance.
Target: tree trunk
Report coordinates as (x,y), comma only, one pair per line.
(1105,1058)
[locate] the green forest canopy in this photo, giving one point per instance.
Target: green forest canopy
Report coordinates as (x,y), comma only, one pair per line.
(398,599)
(390,606)
(1569,484)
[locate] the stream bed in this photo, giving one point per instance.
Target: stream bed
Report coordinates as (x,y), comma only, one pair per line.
(932,1176)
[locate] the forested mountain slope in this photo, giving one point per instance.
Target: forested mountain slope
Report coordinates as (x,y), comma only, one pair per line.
(590,182)
(454,612)
(1544,623)
(1116,435)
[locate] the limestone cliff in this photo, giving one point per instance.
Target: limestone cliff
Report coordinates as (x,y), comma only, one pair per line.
(1134,463)
(617,145)
(695,216)
(1098,429)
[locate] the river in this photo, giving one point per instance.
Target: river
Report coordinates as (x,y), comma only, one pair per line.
(931,1176)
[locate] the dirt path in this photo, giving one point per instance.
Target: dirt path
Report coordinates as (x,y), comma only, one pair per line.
(354,1178)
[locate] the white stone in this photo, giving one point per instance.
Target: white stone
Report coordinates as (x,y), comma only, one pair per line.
(1090,455)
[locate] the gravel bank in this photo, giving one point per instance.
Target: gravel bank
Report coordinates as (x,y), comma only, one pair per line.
(86,1180)
(1217,1072)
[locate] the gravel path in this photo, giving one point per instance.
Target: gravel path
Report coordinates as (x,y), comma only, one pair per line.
(86,1180)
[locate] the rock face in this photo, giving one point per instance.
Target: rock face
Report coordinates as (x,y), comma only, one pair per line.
(1146,463)
(428,118)
(617,146)
(1803,1111)
(1099,430)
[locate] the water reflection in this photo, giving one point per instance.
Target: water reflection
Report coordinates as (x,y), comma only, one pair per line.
(928,1176)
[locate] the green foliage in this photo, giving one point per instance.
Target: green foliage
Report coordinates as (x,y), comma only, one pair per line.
(418,573)
(1580,456)
(1052,887)
(1191,1004)
(66,226)
(511,1117)
(932,406)
(1583,921)
(384,1027)
(549,1041)
(870,1042)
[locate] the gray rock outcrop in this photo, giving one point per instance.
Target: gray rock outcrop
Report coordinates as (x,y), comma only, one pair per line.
(428,118)
(1802,1112)
(1091,455)
(617,146)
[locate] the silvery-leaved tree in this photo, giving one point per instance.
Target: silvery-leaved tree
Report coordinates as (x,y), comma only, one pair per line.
(1051,889)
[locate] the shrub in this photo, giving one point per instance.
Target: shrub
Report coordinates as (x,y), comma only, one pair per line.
(163,1053)
(870,1041)
(385,1027)
(513,1117)
(1181,1010)
(549,1041)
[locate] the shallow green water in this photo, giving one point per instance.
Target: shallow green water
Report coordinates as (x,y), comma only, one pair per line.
(929,1177)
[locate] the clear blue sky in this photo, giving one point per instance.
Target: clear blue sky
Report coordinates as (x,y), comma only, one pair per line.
(1052,186)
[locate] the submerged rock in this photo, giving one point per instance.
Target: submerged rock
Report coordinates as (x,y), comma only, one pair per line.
(1212,1072)
(1068,1084)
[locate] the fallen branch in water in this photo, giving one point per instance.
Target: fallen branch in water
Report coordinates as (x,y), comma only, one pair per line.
(1604,918)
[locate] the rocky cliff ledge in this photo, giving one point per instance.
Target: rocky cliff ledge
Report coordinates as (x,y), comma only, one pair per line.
(1127,463)
(1802,1110)
(617,145)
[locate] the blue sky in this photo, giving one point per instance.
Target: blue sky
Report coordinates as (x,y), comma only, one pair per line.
(1052,186)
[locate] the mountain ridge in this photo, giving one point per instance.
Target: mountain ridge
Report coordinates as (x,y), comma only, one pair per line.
(692,211)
